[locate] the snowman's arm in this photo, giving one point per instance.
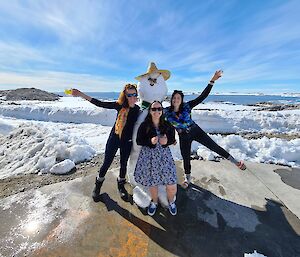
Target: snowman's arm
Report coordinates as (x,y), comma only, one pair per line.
(201,97)
(141,93)
(107,105)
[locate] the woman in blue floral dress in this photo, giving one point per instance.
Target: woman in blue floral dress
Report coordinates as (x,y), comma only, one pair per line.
(155,165)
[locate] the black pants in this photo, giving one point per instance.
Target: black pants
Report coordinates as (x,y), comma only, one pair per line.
(112,145)
(197,134)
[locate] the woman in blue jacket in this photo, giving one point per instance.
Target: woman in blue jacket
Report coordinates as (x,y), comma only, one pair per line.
(179,115)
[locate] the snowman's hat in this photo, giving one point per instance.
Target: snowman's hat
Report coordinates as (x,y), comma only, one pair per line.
(152,68)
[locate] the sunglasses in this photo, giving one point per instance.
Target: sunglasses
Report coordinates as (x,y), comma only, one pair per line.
(132,95)
(152,80)
(156,109)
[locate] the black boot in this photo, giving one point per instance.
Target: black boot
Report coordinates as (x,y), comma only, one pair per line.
(121,187)
(96,191)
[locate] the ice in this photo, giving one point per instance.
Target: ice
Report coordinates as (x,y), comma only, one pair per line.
(32,148)
(206,155)
(62,167)
(141,196)
(255,254)
(5,127)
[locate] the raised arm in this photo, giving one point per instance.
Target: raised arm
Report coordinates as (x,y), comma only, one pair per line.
(107,105)
(206,91)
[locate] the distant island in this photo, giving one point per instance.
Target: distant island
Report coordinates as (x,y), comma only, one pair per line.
(28,94)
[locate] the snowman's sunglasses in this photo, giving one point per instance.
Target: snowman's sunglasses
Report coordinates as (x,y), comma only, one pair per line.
(152,80)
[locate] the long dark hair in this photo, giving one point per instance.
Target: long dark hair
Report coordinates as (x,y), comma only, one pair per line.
(163,124)
(181,105)
(122,100)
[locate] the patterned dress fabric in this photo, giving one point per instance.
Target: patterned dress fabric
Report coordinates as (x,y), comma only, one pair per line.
(155,166)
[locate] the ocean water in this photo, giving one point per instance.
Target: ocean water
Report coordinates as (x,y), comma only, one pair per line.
(234,99)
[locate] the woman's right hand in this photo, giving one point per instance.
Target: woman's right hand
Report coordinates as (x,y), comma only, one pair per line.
(154,140)
(218,74)
(76,92)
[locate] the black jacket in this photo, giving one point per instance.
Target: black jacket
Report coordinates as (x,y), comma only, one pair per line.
(145,133)
(131,118)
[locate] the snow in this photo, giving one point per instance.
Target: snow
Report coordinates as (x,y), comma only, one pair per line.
(220,118)
(32,148)
(5,127)
(66,110)
(265,150)
(62,167)
(141,196)
(233,121)
(255,254)
(37,136)
(262,150)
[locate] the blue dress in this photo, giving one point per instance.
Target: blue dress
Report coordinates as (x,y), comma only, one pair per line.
(155,166)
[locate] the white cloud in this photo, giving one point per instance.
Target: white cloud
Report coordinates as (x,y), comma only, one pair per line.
(58,81)
(190,40)
(16,54)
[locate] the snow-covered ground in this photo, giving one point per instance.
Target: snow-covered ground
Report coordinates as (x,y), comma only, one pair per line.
(221,118)
(37,148)
(46,137)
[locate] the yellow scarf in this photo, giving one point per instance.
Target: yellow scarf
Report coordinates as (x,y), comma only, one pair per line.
(121,121)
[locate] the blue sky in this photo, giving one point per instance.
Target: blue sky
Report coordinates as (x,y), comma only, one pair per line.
(100,45)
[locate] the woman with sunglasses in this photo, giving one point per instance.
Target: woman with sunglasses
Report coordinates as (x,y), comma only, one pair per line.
(155,165)
(179,115)
(120,135)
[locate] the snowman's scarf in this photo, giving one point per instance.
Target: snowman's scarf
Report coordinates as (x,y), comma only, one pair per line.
(145,105)
(121,121)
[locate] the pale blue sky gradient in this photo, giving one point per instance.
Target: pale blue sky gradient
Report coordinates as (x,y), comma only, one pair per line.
(100,45)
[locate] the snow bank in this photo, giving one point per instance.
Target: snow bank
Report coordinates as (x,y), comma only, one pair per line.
(62,167)
(33,148)
(265,150)
(255,254)
(96,135)
(223,118)
(68,110)
(5,127)
(233,121)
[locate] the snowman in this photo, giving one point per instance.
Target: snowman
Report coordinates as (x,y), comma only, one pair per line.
(151,86)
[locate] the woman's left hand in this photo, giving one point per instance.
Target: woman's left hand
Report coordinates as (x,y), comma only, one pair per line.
(163,140)
(218,74)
